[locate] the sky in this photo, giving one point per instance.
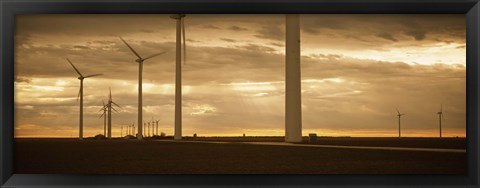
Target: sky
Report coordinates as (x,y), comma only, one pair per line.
(356,70)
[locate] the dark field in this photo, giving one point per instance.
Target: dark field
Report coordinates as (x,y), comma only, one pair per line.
(70,156)
(447,143)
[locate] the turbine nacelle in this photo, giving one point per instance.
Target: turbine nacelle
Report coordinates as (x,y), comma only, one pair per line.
(177,16)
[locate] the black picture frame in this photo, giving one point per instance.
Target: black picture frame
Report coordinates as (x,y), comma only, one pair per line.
(9,8)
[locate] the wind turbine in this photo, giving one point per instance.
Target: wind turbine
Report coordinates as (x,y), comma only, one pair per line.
(440,116)
(128,130)
(121,131)
(178,73)
(104,114)
(140,61)
(399,117)
(157,126)
(80,94)
(148,128)
(133,128)
(110,108)
(145,128)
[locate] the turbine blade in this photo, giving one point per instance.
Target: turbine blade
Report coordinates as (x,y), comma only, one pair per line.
(114,109)
(441,107)
(154,55)
(93,75)
(101,116)
(74,67)
(398,111)
(134,52)
(78,96)
(184,43)
(116,104)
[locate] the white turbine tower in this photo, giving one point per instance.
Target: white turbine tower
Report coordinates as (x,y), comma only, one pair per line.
(80,94)
(399,117)
(293,95)
(178,73)
(440,116)
(140,61)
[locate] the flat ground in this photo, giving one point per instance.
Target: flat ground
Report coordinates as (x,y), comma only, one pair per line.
(118,156)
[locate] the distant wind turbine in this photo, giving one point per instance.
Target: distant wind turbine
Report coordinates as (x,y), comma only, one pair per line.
(133,128)
(178,73)
(399,117)
(140,61)
(157,126)
(148,128)
(104,114)
(110,108)
(121,131)
(80,94)
(440,116)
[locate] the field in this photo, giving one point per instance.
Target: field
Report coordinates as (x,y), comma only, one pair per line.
(200,156)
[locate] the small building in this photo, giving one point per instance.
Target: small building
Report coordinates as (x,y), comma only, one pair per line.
(312,137)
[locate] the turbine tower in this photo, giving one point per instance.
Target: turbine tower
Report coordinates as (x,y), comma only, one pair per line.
(148,129)
(140,61)
(80,94)
(399,117)
(440,116)
(133,128)
(157,126)
(293,95)
(178,73)
(104,114)
(110,108)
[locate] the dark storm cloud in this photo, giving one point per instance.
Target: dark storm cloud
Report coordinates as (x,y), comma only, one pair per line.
(228,40)
(209,26)
(387,36)
(274,32)
(237,28)
(394,28)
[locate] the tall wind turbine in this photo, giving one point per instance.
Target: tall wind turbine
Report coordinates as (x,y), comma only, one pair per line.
(293,85)
(80,94)
(440,116)
(140,61)
(110,108)
(178,73)
(399,117)
(157,126)
(104,114)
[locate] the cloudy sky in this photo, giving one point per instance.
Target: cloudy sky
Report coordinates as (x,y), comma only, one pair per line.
(356,69)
